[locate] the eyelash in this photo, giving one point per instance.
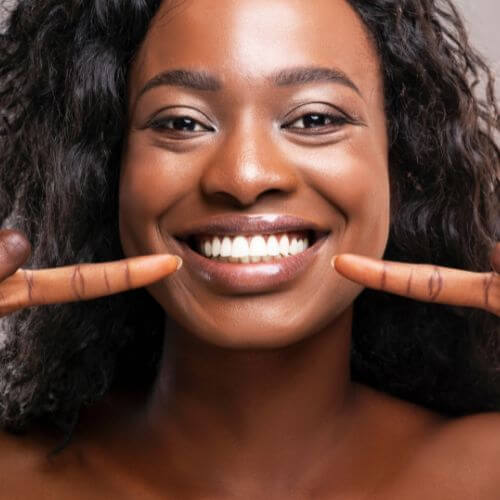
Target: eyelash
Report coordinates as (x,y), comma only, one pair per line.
(161,124)
(335,121)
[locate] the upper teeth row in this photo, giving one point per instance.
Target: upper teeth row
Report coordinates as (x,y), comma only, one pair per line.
(253,248)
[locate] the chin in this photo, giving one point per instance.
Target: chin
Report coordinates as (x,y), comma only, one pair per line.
(262,331)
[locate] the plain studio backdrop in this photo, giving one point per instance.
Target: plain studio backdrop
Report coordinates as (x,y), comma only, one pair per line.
(482,18)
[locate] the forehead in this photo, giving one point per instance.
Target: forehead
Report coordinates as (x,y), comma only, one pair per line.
(242,41)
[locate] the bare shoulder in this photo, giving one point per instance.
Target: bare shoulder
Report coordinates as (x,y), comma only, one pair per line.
(29,469)
(481,428)
(463,454)
(476,437)
(439,457)
(21,456)
(40,465)
(19,451)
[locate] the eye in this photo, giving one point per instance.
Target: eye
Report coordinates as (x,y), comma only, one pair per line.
(178,124)
(317,121)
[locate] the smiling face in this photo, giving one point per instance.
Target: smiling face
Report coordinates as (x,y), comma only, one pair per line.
(239,113)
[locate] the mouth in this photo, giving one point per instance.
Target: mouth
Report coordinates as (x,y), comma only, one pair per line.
(240,255)
(252,248)
(243,240)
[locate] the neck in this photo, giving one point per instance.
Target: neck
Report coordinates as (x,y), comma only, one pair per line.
(238,415)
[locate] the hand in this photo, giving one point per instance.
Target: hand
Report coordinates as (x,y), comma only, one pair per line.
(426,282)
(20,288)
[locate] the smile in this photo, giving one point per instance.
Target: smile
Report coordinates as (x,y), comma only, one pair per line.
(250,254)
(252,248)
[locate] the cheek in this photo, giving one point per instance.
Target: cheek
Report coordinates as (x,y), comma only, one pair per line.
(149,186)
(366,196)
(352,176)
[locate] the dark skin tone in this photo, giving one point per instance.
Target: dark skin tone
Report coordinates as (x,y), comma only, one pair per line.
(253,398)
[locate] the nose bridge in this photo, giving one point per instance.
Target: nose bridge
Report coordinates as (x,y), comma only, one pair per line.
(247,163)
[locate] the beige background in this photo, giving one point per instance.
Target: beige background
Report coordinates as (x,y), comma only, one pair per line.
(482,18)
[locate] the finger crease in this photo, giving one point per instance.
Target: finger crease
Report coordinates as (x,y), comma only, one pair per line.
(487,282)
(78,283)
(106,280)
(29,279)
(408,286)
(127,275)
(384,276)
(435,284)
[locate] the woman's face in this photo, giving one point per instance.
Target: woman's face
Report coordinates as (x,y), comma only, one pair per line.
(256,109)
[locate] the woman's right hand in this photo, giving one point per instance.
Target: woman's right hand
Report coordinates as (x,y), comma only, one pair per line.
(21,288)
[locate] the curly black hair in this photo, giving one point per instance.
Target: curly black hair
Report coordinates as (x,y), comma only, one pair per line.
(63,89)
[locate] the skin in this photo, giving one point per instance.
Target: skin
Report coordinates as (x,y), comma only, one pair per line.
(253,397)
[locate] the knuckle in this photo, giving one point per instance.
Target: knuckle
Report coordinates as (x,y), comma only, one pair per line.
(14,246)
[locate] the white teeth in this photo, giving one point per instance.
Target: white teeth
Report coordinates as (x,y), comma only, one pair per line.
(273,247)
(284,245)
(225,250)
(258,247)
(216,246)
(242,249)
(207,249)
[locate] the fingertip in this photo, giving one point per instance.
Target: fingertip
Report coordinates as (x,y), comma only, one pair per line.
(332,262)
(170,259)
(179,262)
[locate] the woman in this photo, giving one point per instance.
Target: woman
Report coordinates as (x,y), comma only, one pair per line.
(255,140)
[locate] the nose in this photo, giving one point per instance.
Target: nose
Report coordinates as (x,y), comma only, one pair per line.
(248,166)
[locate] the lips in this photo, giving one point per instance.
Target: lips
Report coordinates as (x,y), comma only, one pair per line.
(255,277)
(245,225)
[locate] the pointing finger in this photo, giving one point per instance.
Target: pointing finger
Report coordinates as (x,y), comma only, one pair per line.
(28,288)
(423,282)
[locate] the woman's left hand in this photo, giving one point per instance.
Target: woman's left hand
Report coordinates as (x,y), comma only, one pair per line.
(426,282)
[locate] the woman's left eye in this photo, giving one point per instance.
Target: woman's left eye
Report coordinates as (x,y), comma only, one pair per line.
(317,121)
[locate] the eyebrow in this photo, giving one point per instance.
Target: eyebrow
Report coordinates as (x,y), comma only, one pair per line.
(207,82)
(311,74)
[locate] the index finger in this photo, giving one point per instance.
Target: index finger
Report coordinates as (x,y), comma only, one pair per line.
(27,288)
(424,282)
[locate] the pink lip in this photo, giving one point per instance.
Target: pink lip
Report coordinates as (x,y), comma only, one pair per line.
(240,224)
(237,278)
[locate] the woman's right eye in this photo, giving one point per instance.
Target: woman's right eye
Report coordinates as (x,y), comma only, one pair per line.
(178,124)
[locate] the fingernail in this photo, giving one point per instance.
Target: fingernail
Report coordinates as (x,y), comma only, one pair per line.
(179,262)
(332,262)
